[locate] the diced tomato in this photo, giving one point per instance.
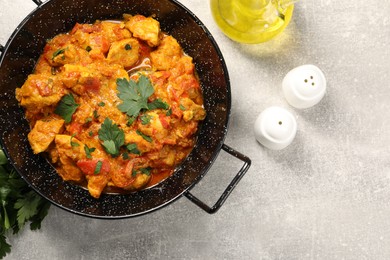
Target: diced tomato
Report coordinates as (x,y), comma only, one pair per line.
(43,88)
(75,128)
(88,166)
(176,110)
(92,84)
(163,120)
(144,49)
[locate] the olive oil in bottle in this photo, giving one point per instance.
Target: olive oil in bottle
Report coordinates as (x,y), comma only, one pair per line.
(252,21)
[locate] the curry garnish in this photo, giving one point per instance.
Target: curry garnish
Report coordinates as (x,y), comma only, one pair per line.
(158,103)
(127,47)
(112,136)
(145,119)
(73,144)
(88,151)
(66,107)
(134,95)
(98,167)
(57,52)
(144,136)
(133,149)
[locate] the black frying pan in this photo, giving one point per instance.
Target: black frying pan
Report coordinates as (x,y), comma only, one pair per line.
(18,59)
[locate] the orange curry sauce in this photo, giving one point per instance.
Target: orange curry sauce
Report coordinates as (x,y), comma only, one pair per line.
(103,136)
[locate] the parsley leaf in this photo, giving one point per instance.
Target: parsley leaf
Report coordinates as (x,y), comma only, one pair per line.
(27,207)
(134,95)
(66,107)
(112,136)
(19,204)
(157,103)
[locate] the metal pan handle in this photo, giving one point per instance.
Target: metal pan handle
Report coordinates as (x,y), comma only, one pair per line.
(2,48)
(230,187)
(37,2)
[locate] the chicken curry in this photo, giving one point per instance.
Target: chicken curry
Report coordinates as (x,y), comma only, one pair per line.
(115,105)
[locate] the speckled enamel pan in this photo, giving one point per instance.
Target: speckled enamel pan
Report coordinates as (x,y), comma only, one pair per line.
(18,59)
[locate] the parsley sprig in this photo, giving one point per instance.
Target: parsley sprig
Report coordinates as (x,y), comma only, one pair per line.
(135,96)
(112,136)
(66,107)
(19,204)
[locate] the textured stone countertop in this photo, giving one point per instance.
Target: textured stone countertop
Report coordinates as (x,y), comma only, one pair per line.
(326,196)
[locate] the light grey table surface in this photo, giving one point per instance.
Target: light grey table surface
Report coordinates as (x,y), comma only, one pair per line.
(326,196)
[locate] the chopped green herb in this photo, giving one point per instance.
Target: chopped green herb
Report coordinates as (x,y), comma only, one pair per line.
(88,120)
(133,149)
(127,47)
(141,170)
(125,156)
(147,138)
(53,71)
(66,107)
(57,52)
(88,151)
(88,49)
(101,104)
(146,170)
(145,119)
(98,167)
(73,144)
(169,112)
(112,136)
(90,133)
(131,120)
(95,114)
(182,108)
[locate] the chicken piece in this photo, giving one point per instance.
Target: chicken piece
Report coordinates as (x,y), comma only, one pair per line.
(140,180)
(167,54)
(134,175)
(152,124)
(115,31)
(44,133)
(163,158)
(144,28)
(81,79)
(124,52)
(96,184)
(71,74)
(96,175)
(64,55)
(192,111)
(69,151)
(39,91)
(70,147)
(91,39)
(132,137)
(68,170)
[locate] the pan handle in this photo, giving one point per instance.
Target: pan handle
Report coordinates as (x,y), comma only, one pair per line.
(37,2)
(229,189)
(2,48)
